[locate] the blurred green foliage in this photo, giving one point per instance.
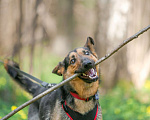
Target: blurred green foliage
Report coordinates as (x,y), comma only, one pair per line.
(121,103)
(126,103)
(11,96)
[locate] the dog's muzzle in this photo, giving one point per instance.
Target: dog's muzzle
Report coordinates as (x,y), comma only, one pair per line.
(88,71)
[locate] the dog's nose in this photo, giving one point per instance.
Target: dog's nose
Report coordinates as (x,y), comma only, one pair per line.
(87,64)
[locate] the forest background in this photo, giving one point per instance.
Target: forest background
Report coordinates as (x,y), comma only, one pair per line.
(39,33)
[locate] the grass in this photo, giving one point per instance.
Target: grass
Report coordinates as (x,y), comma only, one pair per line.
(11,96)
(121,103)
(126,103)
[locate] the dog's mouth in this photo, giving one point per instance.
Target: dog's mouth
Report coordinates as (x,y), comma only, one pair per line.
(89,76)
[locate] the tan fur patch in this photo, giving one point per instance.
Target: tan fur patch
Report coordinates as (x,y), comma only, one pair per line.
(83,106)
(5,64)
(91,56)
(57,112)
(84,89)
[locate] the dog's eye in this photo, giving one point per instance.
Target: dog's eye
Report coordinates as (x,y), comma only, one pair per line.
(86,53)
(72,61)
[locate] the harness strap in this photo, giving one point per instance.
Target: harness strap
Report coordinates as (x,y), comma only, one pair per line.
(74,115)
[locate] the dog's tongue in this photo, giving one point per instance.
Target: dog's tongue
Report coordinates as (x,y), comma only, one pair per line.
(91,72)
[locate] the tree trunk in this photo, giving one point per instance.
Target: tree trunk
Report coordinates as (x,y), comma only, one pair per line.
(7,26)
(18,45)
(109,33)
(65,23)
(138,52)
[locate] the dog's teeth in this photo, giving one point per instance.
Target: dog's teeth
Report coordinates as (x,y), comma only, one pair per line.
(90,77)
(84,74)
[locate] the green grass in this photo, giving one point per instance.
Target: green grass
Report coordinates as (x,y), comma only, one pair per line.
(11,96)
(126,103)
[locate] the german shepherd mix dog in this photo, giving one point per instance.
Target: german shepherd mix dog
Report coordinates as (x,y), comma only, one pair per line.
(76,100)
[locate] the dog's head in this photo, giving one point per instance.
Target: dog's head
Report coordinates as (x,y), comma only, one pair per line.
(80,60)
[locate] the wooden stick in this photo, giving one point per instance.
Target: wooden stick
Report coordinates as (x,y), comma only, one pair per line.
(75,75)
(122,44)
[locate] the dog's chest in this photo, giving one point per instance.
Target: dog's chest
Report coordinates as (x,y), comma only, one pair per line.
(60,114)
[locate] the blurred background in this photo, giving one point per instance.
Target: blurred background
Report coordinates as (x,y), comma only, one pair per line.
(39,33)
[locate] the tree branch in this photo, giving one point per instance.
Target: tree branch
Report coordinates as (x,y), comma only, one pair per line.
(122,44)
(75,75)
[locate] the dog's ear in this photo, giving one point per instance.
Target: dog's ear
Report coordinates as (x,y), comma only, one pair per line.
(90,44)
(59,69)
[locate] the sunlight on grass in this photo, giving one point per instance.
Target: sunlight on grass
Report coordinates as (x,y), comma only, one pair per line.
(124,103)
(148,110)
(21,112)
(117,111)
(2,81)
(147,84)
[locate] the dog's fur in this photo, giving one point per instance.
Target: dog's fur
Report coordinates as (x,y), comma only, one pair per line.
(50,107)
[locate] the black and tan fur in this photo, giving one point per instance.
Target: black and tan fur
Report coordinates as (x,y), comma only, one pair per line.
(49,107)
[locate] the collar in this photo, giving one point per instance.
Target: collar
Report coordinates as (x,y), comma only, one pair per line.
(96,97)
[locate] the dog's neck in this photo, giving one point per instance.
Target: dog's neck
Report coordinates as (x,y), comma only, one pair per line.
(82,106)
(83,89)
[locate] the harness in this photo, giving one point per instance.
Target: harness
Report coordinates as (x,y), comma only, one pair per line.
(74,115)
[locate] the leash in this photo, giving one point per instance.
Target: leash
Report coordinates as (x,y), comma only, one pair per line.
(42,83)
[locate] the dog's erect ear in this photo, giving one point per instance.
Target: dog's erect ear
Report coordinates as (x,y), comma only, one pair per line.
(59,69)
(90,44)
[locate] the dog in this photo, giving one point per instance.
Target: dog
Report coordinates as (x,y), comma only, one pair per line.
(76,100)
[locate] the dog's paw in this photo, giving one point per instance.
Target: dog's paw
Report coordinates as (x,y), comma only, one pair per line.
(9,66)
